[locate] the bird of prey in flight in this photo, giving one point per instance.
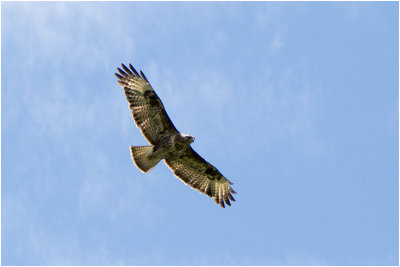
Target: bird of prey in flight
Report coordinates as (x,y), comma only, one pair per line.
(166,142)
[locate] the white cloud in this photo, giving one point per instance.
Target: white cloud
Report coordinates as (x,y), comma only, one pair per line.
(74,32)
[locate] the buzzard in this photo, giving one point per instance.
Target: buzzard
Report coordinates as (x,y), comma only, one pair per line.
(167,143)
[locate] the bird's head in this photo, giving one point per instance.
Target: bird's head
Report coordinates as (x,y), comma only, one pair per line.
(188,138)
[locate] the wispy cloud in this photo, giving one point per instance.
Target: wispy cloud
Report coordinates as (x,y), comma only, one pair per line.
(55,108)
(74,32)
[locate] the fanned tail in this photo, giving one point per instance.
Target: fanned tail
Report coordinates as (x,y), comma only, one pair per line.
(142,157)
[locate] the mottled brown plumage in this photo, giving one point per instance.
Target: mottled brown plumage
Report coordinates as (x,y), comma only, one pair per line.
(167,142)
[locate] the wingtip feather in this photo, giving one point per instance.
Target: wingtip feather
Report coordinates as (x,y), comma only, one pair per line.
(123,84)
(119,76)
(123,73)
(127,70)
(143,76)
(133,70)
(226,199)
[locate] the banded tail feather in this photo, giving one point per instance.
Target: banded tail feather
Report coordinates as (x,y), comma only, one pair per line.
(143,158)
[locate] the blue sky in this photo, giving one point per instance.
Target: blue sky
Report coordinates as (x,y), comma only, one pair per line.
(294,102)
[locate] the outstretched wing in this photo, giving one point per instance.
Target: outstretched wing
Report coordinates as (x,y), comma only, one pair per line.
(148,112)
(193,170)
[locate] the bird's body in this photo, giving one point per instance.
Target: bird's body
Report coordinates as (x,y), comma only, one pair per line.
(167,143)
(170,147)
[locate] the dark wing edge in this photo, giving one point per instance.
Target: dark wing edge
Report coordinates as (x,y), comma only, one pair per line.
(193,170)
(148,112)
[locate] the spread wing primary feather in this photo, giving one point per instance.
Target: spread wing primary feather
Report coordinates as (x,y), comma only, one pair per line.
(167,143)
(202,176)
(147,109)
